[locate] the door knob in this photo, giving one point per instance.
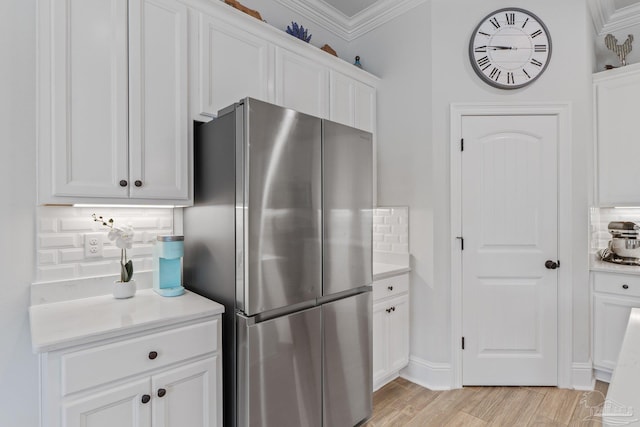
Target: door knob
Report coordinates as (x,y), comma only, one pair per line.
(138,183)
(123,183)
(161,392)
(551,265)
(146,398)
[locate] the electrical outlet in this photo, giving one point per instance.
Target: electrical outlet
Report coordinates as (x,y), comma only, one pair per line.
(93,245)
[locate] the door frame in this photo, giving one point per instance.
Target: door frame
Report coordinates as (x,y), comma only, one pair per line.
(562,112)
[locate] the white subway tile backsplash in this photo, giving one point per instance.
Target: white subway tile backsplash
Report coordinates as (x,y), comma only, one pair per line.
(77,224)
(47,257)
(400,247)
(57,240)
(384,229)
(48,225)
(101,268)
(385,247)
(49,273)
(390,238)
(391,229)
(61,236)
(71,255)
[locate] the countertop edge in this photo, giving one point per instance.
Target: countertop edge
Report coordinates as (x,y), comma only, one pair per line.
(88,337)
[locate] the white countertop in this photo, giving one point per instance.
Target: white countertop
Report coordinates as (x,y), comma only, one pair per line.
(609,267)
(63,324)
(622,406)
(381,270)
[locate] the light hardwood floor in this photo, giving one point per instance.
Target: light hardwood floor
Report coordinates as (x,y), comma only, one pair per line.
(402,403)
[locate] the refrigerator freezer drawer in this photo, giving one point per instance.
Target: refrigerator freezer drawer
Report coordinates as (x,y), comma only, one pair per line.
(280,370)
(348,382)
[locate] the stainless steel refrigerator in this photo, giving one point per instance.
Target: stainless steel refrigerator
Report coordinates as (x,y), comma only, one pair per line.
(281,234)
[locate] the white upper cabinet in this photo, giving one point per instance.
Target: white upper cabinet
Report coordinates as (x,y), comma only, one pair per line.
(301,83)
(113,102)
(232,64)
(352,102)
(617,102)
(158,133)
(84,146)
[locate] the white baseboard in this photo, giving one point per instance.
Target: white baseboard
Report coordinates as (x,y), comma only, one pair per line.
(582,377)
(385,380)
(602,375)
(434,376)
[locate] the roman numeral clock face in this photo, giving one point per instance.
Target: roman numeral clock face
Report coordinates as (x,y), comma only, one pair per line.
(510,48)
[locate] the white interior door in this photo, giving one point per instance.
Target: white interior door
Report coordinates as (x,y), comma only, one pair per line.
(509,226)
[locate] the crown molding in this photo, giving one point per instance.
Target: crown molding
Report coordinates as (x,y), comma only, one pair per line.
(607,19)
(343,26)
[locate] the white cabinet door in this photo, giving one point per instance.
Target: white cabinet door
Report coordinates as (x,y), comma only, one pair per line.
(87,151)
(301,83)
(611,316)
(351,102)
(190,395)
(617,104)
(121,406)
(380,342)
(158,133)
(365,107)
(342,92)
(399,333)
(232,64)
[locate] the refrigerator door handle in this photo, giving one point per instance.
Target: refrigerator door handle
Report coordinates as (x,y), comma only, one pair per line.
(344,294)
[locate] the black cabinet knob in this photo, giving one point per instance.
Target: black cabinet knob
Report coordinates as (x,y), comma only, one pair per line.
(153,355)
(123,183)
(388,310)
(625,286)
(146,398)
(390,288)
(138,183)
(161,392)
(551,265)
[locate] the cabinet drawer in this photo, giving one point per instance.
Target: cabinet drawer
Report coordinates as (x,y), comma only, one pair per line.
(619,284)
(391,286)
(98,365)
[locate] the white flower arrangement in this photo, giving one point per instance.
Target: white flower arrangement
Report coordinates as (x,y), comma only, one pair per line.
(123,237)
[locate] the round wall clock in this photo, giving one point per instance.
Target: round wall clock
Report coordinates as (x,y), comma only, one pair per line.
(510,48)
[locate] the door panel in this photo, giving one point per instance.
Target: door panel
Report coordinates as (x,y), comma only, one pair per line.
(348,207)
(120,406)
(89,97)
(159,137)
(509,223)
(192,395)
(347,360)
(280,371)
(284,208)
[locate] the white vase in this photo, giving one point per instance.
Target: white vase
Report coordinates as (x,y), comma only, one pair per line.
(122,290)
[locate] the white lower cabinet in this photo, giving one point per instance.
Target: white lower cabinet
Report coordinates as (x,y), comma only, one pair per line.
(167,378)
(614,297)
(390,328)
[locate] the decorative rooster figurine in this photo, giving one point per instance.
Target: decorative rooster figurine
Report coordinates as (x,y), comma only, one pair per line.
(622,50)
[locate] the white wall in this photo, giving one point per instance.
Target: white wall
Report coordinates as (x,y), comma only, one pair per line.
(18,367)
(422,59)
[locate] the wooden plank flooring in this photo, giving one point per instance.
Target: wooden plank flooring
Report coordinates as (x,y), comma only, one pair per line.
(402,403)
